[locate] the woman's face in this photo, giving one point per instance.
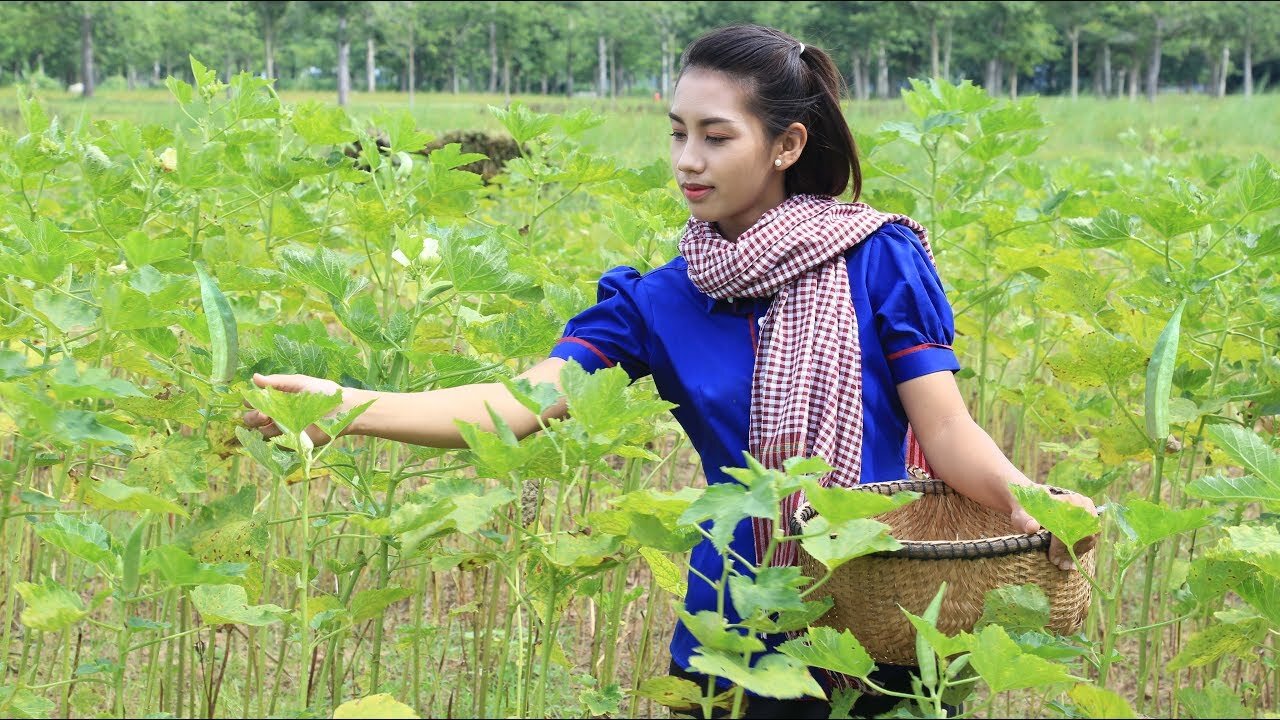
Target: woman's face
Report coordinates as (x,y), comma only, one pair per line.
(722,160)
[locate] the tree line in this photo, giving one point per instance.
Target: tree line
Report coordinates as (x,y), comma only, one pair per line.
(1109,49)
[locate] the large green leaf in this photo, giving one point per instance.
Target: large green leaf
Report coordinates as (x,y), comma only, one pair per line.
(86,540)
(1016,607)
(722,504)
(478,264)
(714,633)
(69,383)
(170,463)
(1004,666)
(326,270)
(1070,523)
(381,705)
(1246,489)
(1148,523)
(1108,227)
(369,604)
(1217,700)
(1250,450)
(1259,185)
(838,504)
(49,607)
(229,604)
(830,649)
(1095,702)
(772,590)
(775,675)
(834,544)
(1217,641)
(322,124)
(292,411)
(111,494)
(179,569)
(665,573)
(18,702)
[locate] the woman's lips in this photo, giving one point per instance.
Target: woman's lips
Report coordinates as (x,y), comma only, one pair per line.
(695,192)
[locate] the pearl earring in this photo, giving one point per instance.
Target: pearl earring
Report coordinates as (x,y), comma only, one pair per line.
(777,162)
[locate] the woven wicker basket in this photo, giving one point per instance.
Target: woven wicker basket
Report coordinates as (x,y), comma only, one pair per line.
(945,537)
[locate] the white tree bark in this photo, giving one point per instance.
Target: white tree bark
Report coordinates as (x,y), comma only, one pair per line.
(933,47)
(1226,70)
(602,66)
(1074,35)
(1106,69)
(344,62)
(1248,67)
(493,56)
(882,76)
(86,52)
(370,74)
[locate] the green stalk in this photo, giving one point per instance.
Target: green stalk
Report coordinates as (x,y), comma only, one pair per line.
(304,630)
(1148,577)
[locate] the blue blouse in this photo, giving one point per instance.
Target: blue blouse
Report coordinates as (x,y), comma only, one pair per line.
(701,354)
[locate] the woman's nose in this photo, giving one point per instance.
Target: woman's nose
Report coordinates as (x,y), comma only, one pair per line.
(689,160)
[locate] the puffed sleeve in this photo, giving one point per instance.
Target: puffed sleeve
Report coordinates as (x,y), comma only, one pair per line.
(614,331)
(913,317)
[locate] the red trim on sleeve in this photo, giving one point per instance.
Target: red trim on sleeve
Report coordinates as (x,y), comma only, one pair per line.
(917,348)
(589,346)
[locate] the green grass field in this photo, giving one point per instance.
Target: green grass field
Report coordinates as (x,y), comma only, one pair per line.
(1087,128)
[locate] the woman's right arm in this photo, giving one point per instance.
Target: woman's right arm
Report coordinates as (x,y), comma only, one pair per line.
(421,418)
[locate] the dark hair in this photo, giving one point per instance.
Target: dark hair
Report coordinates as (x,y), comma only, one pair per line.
(787,82)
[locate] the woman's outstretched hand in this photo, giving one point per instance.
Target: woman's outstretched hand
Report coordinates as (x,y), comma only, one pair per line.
(1058,554)
(293,383)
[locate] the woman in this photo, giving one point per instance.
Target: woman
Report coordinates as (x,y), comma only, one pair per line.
(790,324)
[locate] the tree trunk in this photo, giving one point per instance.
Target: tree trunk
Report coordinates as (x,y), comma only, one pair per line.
(131,75)
(269,47)
(666,66)
(933,47)
(568,63)
(1075,62)
(1013,84)
(1248,67)
(344,62)
(856,74)
(413,81)
(946,54)
(602,66)
(614,79)
(39,64)
(990,81)
(1106,69)
(86,52)
(506,75)
(882,74)
(370,66)
(493,56)
(1135,71)
(1226,69)
(1215,72)
(864,67)
(1153,70)
(1121,75)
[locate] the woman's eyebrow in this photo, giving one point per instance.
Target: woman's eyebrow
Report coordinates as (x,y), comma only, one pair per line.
(705,122)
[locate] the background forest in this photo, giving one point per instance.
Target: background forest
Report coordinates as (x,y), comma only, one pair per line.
(625,48)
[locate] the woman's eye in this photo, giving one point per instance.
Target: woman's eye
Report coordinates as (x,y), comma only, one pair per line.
(677,134)
(716,140)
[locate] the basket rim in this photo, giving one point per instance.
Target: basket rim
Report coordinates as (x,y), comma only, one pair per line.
(991,547)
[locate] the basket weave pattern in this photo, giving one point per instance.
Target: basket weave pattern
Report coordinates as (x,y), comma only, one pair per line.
(945,537)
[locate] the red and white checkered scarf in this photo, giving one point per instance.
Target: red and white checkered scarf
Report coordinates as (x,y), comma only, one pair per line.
(806,392)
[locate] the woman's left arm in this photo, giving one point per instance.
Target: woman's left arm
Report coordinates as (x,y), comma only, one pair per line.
(962,454)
